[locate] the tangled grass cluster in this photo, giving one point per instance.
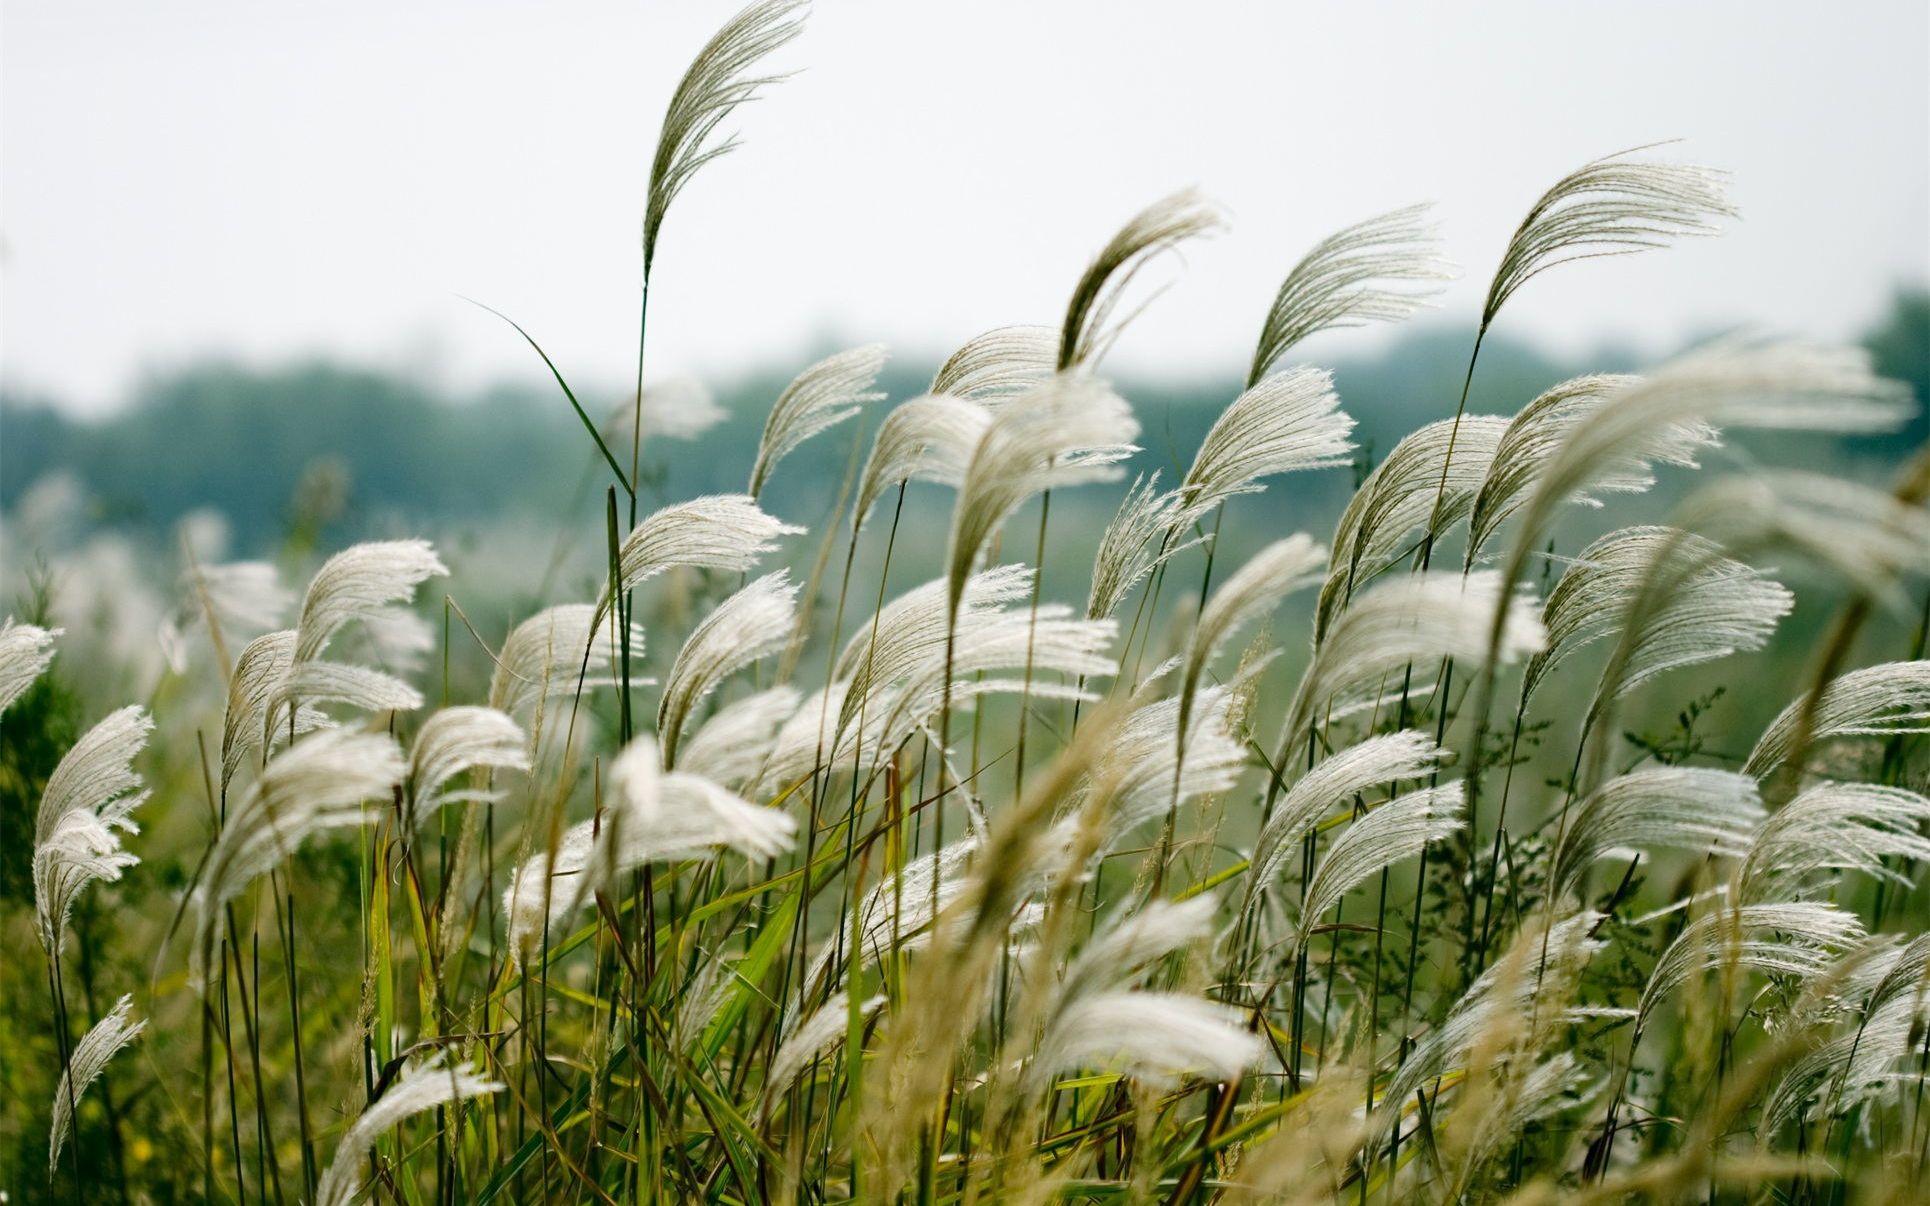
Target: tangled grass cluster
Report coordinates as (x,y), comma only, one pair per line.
(970,894)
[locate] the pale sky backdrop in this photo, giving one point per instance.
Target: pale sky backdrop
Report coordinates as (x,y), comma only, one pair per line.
(280,179)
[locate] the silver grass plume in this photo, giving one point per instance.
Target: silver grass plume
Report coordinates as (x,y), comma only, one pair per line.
(1867,535)
(246,596)
(717,81)
(1834,827)
(733,746)
(716,531)
(1136,542)
(360,582)
(101,1043)
(253,690)
(816,1036)
(999,363)
(1541,968)
(821,397)
(1418,618)
(1246,595)
(1670,807)
(1282,424)
(455,741)
(83,811)
(751,624)
(1797,938)
(1397,830)
(420,1088)
(1877,701)
(1096,1020)
(1857,1066)
(926,439)
(1354,277)
(900,908)
(1427,482)
(652,815)
(1537,431)
(1090,324)
(1331,784)
(1774,386)
(317,784)
(1149,771)
(1070,430)
(25,651)
(1611,206)
(543,656)
(1715,607)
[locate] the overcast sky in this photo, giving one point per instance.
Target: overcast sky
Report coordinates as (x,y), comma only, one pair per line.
(280,179)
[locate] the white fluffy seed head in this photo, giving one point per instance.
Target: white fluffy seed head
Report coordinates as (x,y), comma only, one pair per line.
(1070,430)
(25,651)
(1834,827)
(1379,270)
(419,1089)
(1092,319)
(927,439)
(999,363)
(1140,539)
(83,812)
(751,624)
(717,531)
(1877,701)
(1247,594)
(357,583)
(543,657)
(456,741)
(821,397)
(1283,423)
(99,1045)
(244,597)
(1671,807)
(1399,829)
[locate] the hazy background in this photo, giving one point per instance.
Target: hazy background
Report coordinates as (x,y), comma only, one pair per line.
(267,181)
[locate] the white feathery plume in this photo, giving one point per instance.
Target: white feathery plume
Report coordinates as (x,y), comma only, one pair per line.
(398,638)
(1138,541)
(1614,205)
(1797,938)
(1070,430)
(751,624)
(1282,424)
(680,408)
(543,656)
(1248,593)
(652,815)
(908,633)
(1333,782)
(1351,278)
(716,531)
(423,1087)
(1542,967)
(1143,777)
(1090,324)
(87,800)
(260,672)
(1539,428)
(1876,701)
(1834,827)
(1157,1037)
(1775,386)
(1397,830)
(357,583)
(1853,1068)
(1715,606)
(817,1035)
(1668,807)
(25,651)
(1417,618)
(821,397)
(358,687)
(717,81)
(999,363)
(100,1044)
(1131,939)
(316,784)
(246,596)
(1407,492)
(1867,535)
(734,744)
(452,742)
(927,439)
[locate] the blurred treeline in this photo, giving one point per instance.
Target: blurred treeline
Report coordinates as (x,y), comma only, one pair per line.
(372,452)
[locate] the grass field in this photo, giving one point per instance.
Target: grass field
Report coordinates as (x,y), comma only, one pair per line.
(1432,853)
